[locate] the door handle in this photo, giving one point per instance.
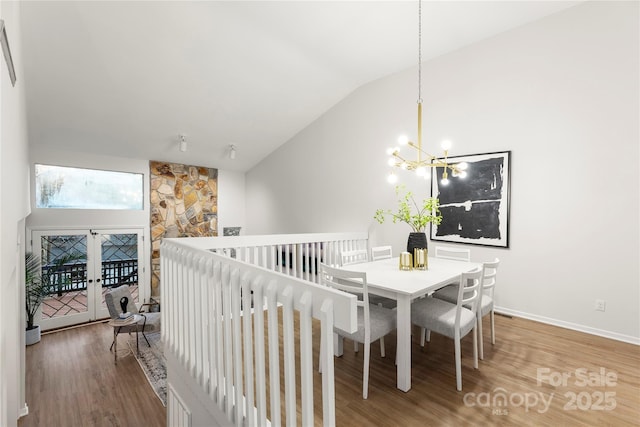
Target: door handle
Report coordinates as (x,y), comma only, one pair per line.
(90,281)
(97,280)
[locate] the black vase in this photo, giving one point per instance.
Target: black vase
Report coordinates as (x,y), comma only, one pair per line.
(416,240)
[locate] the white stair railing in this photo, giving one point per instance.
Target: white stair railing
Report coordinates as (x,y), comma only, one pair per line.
(216,311)
(293,254)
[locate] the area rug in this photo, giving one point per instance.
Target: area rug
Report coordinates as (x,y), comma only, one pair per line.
(153,363)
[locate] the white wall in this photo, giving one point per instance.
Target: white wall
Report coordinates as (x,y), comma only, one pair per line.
(231,200)
(14,206)
(561,94)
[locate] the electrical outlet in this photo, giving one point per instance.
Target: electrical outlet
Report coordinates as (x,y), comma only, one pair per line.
(600,305)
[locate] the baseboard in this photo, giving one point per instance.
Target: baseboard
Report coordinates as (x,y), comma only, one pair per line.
(568,325)
(24,411)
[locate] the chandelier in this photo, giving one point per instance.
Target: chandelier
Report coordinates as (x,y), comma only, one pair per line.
(423,160)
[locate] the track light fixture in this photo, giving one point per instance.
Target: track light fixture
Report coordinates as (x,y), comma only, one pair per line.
(183,143)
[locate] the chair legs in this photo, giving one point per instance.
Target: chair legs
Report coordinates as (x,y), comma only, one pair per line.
(480,335)
(458,357)
(365,373)
(493,329)
(425,335)
(458,364)
(480,339)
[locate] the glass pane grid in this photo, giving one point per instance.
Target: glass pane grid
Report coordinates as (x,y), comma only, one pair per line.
(67,282)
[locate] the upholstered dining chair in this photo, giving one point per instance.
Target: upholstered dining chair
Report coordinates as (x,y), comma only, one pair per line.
(150,321)
(485,303)
(374,322)
(453,320)
(447,252)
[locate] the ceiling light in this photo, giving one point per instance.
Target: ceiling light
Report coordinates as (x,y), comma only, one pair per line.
(424,160)
(183,143)
(232,152)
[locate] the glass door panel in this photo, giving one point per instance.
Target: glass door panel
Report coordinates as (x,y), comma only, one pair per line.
(120,264)
(68,296)
(87,264)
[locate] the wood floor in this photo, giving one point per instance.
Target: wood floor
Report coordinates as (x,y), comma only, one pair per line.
(535,375)
(71,380)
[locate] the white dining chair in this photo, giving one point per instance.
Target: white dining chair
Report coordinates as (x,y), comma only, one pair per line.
(374,322)
(485,304)
(354,257)
(381,252)
(453,320)
(447,252)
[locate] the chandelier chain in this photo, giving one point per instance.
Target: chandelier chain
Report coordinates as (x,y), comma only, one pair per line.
(420,52)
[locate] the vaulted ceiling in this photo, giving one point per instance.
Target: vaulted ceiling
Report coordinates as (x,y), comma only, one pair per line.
(126,78)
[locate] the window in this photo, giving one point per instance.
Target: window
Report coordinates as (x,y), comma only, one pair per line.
(60,187)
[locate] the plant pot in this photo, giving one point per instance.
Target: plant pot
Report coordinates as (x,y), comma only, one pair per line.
(416,240)
(32,336)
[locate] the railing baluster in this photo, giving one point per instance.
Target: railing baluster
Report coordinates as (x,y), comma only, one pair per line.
(236,319)
(289,357)
(248,348)
(328,385)
(306,359)
(219,335)
(274,354)
(227,345)
(261,382)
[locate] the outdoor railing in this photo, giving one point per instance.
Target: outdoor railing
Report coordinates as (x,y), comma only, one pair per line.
(226,319)
(73,275)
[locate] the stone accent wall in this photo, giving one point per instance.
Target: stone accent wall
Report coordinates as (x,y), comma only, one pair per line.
(184,203)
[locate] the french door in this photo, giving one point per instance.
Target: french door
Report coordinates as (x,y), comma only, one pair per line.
(94,262)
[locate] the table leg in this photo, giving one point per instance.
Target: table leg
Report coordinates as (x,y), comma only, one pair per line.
(404,342)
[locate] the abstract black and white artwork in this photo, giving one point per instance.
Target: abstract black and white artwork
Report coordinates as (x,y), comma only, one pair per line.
(475,209)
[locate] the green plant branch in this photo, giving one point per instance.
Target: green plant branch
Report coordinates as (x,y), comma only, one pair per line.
(427,212)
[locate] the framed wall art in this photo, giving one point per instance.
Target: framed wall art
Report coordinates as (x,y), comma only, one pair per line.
(475,209)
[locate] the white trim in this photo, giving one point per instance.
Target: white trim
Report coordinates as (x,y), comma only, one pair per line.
(24,411)
(568,325)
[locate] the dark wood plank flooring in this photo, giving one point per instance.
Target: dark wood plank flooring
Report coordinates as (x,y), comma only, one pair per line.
(72,381)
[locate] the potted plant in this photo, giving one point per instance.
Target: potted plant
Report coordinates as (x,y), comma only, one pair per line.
(417,216)
(37,285)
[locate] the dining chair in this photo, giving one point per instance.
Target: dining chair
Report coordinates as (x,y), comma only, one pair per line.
(381,252)
(374,322)
(453,320)
(447,252)
(485,303)
(354,257)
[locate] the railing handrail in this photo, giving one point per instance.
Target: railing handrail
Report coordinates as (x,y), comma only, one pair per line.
(223,242)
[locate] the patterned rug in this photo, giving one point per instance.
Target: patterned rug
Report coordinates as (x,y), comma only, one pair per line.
(153,363)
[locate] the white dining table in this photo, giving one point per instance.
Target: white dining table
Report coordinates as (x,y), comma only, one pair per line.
(385,278)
